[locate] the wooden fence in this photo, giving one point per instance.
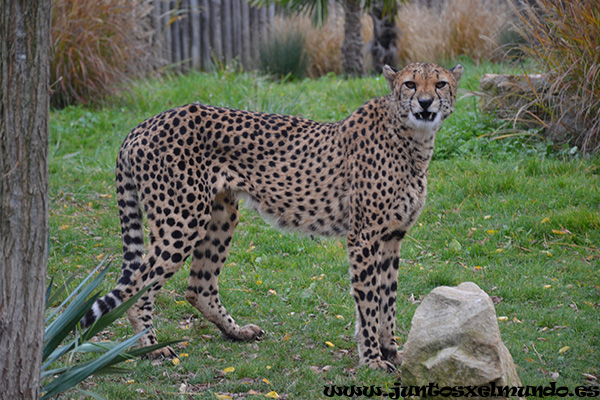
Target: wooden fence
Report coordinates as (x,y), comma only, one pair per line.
(195,34)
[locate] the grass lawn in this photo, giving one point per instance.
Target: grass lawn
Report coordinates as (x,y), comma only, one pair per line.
(515,215)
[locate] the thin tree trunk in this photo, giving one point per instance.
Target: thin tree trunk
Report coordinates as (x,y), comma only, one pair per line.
(382,47)
(236,32)
(24,102)
(227,29)
(185,31)
(352,47)
(255,35)
(206,43)
(166,7)
(246,39)
(216,31)
(157,39)
(195,27)
(176,36)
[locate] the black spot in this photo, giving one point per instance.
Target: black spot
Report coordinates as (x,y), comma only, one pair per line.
(397,235)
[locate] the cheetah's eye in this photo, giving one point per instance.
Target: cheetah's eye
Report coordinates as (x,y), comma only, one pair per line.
(410,85)
(441,84)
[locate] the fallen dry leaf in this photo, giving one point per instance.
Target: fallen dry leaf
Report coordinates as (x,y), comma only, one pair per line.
(551,374)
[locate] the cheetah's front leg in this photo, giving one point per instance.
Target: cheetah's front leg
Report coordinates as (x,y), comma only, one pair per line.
(365,273)
(390,256)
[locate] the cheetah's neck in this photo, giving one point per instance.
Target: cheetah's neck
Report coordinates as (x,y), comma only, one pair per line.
(416,144)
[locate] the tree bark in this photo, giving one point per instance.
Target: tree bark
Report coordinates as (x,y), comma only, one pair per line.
(352,47)
(196,40)
(227,31)
(217,32)
(206,34)
(24,110)
(246,39)
(383,47)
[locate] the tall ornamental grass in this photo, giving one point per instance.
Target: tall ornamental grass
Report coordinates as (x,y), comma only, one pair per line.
(454,28)
(283,54)
(563,39)
(95,46)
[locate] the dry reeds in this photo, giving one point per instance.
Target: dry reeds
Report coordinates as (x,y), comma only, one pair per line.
(458,27)
(562,38)
(95,45)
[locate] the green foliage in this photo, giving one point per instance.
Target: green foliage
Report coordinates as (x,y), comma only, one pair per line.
(283,55)
(95,46)
(64,377)
(562,38)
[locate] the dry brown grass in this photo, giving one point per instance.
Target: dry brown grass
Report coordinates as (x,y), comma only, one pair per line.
(562,39)
(461,27)
(96,45)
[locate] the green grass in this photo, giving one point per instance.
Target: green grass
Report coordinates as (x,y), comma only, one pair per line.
(516,216)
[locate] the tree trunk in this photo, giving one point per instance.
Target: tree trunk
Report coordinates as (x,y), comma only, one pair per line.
(352,47)
(216,31)
(227,30)
(24,102)
(383,47)
(206,34)
(246,40)
(236,29)
(196,38)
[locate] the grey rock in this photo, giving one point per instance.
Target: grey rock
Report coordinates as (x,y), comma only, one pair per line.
(455,341)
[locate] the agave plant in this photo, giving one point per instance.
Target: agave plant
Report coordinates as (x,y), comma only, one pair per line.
(65,327)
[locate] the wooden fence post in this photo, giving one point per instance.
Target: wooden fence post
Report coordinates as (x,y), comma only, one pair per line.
(194,34)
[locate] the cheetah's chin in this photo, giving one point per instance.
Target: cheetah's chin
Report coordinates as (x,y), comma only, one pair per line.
(425,121)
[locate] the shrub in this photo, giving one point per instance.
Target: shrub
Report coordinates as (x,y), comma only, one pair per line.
(63,322)
(95,46)
(283,54)
(322,44)
(562,39)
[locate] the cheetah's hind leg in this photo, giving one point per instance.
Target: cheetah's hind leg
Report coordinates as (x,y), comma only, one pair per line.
(208,260)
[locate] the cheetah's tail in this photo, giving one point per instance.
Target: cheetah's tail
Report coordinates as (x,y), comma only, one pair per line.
(130,214)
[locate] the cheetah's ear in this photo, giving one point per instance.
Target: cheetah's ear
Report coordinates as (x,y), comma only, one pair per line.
(457,71)
(389,73)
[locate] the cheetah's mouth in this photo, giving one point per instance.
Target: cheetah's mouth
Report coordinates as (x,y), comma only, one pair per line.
(425,116)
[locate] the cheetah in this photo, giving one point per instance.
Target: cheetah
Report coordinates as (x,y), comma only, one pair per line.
(364,177)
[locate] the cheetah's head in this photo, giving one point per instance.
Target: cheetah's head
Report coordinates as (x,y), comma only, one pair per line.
(423,93)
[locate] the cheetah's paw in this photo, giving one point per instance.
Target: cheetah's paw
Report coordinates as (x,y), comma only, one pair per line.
(378,363)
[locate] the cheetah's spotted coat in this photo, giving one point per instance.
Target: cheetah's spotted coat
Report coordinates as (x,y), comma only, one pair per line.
(364,177)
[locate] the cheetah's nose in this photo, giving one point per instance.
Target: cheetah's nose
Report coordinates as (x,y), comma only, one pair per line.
(425,103)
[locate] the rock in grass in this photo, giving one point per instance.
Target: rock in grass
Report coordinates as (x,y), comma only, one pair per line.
(454,340)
